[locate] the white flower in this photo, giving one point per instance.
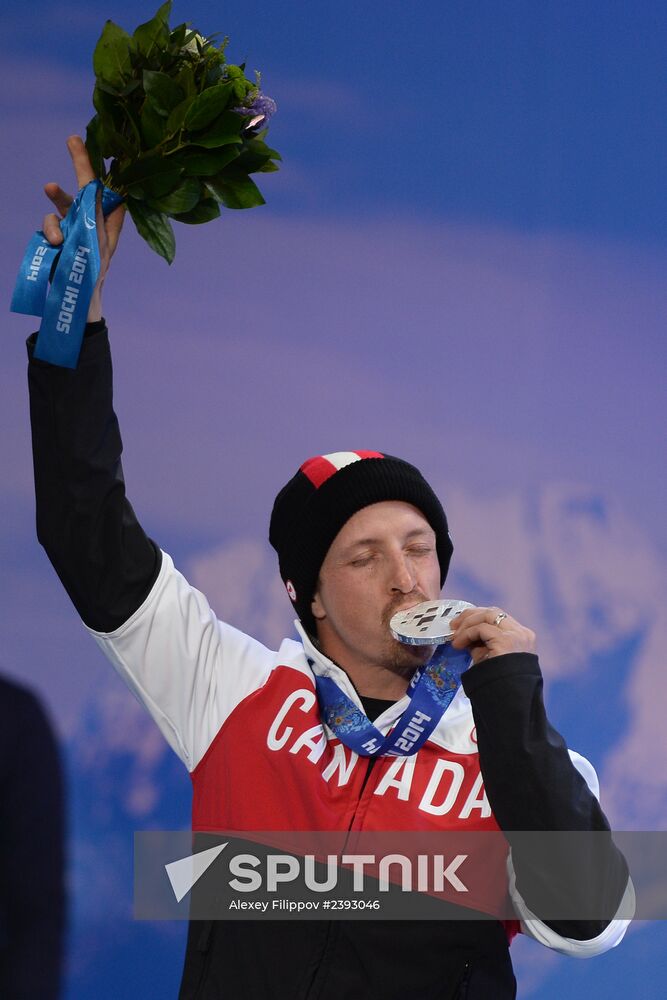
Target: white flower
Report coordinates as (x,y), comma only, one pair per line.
(196,42)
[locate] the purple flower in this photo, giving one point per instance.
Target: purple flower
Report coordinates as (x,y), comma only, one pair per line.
(261,110)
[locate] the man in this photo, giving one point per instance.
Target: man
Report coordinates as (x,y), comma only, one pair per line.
(359,536)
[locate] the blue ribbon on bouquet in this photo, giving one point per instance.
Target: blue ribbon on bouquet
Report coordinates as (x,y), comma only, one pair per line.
(72,270)
(432,690)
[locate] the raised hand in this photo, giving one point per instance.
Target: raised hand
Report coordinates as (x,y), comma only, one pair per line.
(108,229)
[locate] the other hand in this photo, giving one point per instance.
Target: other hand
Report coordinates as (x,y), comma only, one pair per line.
(487,632)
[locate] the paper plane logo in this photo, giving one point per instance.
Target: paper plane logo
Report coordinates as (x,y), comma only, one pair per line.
(184,873)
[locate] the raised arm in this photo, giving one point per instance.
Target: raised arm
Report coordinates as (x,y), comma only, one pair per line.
(84,520)
(189,669)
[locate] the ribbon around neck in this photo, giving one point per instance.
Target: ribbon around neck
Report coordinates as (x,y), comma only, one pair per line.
(71,270)
(432,690)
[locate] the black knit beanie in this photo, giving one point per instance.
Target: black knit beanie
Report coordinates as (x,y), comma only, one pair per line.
(327,490)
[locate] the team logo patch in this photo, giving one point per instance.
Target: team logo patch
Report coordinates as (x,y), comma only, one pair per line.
(289,587)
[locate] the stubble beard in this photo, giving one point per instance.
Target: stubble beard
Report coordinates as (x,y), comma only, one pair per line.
(403,658)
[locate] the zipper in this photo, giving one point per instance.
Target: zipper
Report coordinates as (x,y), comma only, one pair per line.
(203,951)
(371,762)
(316,984)
(462,988)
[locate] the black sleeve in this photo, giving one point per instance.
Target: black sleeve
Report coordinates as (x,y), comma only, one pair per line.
(532,785)
(32,883)
(84,520)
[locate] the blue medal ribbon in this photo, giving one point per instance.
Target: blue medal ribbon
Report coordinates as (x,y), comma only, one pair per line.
(432,690)
(72,270)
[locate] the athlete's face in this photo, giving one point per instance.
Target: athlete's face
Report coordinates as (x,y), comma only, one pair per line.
(382,560)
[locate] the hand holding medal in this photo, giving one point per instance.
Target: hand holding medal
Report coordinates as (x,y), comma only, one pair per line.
(107,227)
(484,632)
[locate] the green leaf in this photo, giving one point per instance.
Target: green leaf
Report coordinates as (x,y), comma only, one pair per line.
(224,129)
(154,176)
(213,75)
(257,146)
(186,80)
(103,101)
(207,106)
(177,116)
(255,155)
(239,88)
(181,199)
(111,58)
(152,126)
(180,36)
(105,146)
(154,228)
(154,34)
(113,143)
(235,191)
(130,88)
(205,211)
(251,162)
(129,129)
(200,164)
(268,168)
(93,146)
(163,92)
(107,88)
(158,185)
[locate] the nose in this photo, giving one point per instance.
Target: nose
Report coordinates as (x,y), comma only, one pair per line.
(403,578)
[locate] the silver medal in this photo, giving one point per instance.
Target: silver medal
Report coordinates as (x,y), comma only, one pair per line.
(426,624)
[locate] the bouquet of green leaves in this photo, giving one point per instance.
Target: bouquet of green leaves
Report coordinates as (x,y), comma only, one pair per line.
(183,128)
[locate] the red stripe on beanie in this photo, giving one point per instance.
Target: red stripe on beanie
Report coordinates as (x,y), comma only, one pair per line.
(320,468)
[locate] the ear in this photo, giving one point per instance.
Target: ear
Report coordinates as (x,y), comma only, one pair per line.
(316,607)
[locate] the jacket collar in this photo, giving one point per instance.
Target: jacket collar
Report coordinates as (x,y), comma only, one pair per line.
(322,666)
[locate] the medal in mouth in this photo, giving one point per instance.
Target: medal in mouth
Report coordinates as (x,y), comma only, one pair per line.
(428,623)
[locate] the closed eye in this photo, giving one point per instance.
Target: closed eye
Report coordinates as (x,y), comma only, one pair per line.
(362,560)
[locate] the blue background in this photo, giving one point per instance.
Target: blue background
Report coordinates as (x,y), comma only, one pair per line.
(461,261)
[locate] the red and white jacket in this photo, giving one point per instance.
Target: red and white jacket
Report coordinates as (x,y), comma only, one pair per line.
(245,721)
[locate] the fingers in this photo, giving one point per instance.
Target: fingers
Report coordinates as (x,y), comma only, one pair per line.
(473,616)
(114,224)
(482,632)
(477,631)
(61,199)
(80,160)
(51,229)
(84,174)
(108,228)
(101,231)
